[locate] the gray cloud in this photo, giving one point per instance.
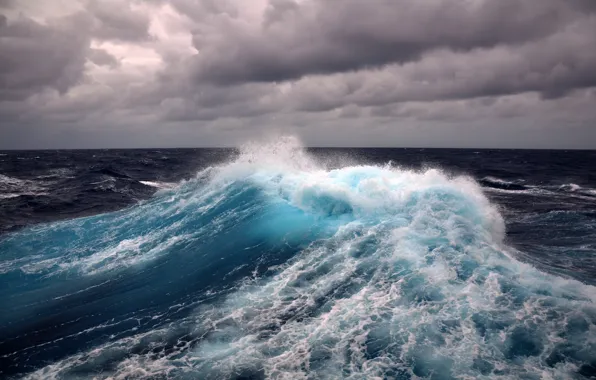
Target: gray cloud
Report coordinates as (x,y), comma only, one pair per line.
(552,66)
(102,58)
(35,56)
(328,36)
(116,20)
(336,72)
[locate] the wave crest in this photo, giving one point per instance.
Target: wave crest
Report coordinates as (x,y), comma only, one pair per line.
(289,269)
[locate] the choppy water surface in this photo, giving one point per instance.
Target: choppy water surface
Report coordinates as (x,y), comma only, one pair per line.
(276,262)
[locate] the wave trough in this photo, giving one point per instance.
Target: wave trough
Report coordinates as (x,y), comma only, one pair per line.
(275,266)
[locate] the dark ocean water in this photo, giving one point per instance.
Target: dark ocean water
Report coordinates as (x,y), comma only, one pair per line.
(274,261)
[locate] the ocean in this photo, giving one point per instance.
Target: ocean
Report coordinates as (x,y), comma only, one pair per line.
(277,261)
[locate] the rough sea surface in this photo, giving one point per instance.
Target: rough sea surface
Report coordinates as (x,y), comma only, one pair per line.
(274,261)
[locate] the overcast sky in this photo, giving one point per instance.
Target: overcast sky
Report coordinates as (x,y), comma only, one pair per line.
(426,73)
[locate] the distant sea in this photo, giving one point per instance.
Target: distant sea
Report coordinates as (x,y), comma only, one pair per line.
(277,261)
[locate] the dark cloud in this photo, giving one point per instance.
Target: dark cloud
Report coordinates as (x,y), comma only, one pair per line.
(578,107)
(35,56)
(351,72)
(116,20)
(200,10)
(102,58)
(553,67)
(212,102)
(328,36)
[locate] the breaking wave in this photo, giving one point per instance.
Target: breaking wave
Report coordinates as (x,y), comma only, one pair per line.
(14,187)
(274,266)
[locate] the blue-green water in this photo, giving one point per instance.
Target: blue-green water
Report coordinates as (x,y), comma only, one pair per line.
(274,265)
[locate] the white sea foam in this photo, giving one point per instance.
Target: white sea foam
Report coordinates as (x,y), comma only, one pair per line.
(9,195)
(11,187)
(159,185)
(414,283)
(10,180)
(499,181)
(571,187)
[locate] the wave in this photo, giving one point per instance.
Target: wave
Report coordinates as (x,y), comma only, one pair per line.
(57,174)
(577,189)
(9,195)
(498,183)
(11,187)
(6,180)
(273,266)
(159,185)
(571,190)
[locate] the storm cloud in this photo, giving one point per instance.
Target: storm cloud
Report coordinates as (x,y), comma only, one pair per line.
(89,73)
(35,56)
(328,36)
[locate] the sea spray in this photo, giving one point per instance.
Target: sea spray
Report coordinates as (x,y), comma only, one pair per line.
(275,266)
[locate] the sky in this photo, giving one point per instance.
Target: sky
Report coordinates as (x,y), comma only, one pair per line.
(199,73)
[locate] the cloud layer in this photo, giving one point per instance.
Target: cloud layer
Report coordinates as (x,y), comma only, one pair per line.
(132,73)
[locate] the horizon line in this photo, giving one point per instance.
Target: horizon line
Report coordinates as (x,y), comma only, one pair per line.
(305,147)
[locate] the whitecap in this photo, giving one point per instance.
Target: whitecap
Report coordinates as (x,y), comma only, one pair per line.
(159,185)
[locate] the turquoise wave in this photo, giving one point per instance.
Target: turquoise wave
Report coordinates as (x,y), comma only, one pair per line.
(274,266)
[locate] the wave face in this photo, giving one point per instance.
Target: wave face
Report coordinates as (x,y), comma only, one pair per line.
(275,266)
